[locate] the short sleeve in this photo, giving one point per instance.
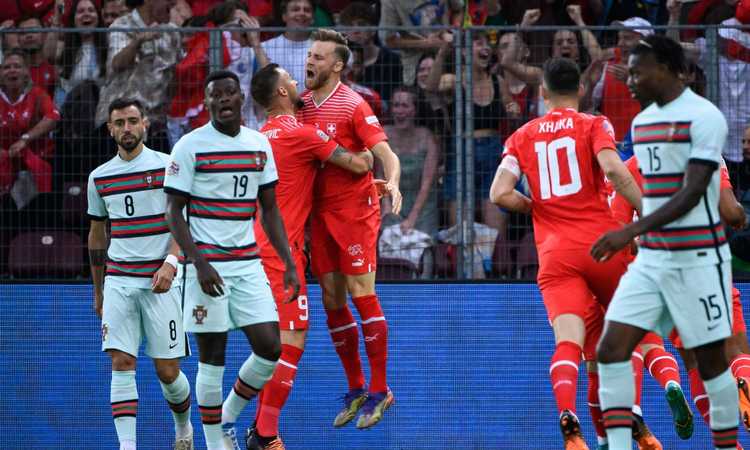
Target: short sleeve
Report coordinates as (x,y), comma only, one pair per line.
(725,183)
(602,135)
(97,210)
(367,127)
(622,210)
(707,138)
(317,142)
(510,156)
(48,107)
(268,177)
(180,170)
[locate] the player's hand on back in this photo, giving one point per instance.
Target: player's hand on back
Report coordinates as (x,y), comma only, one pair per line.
(162,280)
(291,283)
(209,279)
(98,302)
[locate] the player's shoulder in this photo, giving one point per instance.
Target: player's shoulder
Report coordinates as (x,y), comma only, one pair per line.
(190,138)
(701,108)
(108,168)
(345,95)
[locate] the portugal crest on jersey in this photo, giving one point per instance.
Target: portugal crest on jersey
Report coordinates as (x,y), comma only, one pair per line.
(148,179)
(200,313)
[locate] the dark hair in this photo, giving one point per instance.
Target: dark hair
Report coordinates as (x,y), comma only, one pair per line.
(561,76)
(665,50)
(17,52)
(124,102)
(328,35)
(285,3)
(358,12)
(222,13)
(72,45)
(134,3)
(263,86)
(220,75)
(411,90)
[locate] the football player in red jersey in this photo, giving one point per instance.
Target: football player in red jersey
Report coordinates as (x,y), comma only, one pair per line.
(565,156)
(345,225)
(298,151)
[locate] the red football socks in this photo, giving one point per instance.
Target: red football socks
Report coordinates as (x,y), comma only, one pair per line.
(276,391)
(345,337)
(375,331)
(662,366)
(563,372)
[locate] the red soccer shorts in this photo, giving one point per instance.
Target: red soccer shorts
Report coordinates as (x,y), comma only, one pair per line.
(738,320)
(571,282)
(345,240)
(293,315)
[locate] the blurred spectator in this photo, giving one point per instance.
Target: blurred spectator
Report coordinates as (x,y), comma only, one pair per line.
(521,81)
(27,116)
(352,75)
(488,113)
(112,10)
(382,67)
(418,151)
(43,74)
(82,56)
(289,50)
(140,64)
(412,43)
(434,109)
(609,94)
(733,75)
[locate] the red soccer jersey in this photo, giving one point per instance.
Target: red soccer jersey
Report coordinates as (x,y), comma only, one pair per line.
(557,152)
(44,76)
(623,211)
(297,151)
(348,119)
(23,115)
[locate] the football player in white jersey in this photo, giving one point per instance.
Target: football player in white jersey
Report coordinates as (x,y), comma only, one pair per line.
(136,299)
(681,277)
(220,173)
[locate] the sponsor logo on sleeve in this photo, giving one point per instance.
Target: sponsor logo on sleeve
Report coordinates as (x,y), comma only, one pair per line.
(608,128)
(173,168)
(371,120)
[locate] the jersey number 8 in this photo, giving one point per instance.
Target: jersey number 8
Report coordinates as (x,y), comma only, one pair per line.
(549,168)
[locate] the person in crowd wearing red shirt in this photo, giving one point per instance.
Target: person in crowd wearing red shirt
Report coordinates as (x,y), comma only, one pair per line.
(27,116)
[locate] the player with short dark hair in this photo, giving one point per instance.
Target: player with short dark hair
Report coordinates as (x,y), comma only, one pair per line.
(141,263)
(298,150)
(220,174)
(565,156)
(345,225)
(681,277)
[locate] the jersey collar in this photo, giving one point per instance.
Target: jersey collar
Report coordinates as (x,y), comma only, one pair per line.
(312,97)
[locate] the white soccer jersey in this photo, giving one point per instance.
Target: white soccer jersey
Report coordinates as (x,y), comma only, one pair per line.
(222,175)
(131,195)
(665,140)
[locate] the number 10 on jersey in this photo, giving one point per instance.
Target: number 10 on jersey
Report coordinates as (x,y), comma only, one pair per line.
(549,168)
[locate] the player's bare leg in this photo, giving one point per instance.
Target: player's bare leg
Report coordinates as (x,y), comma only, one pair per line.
(375,331)
(617,388)
(123,397)
(663,368)
(721,388)
(253,375)
(345,338)
(176,390)
(265,434)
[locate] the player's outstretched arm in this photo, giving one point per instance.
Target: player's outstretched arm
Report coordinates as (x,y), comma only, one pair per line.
(97,244)
(359,163)
(209,279)
(622,181)
(503,191)
(273,225)
(392,170)
(697,177)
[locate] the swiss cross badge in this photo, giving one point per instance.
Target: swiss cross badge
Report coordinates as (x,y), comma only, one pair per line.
(200,313)
(331,129)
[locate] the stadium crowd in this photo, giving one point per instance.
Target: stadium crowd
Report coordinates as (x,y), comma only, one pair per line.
(55,87)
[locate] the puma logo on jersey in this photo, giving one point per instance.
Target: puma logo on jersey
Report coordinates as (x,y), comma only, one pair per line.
(553,127)
(372,338)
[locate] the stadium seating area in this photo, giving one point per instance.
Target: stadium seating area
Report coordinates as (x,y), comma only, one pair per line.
(62,65)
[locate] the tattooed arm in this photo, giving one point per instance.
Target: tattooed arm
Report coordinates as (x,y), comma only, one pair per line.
(359,163)
(97,259)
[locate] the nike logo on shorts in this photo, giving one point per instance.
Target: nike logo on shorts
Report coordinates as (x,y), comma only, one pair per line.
(711,328)
(171,346)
